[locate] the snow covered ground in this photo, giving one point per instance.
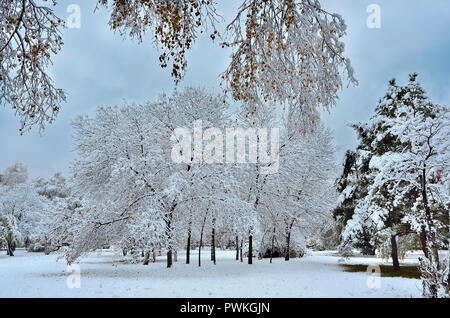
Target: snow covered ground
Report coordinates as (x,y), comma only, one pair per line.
(105,274)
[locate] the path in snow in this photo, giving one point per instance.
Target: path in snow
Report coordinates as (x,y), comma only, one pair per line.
(104,274)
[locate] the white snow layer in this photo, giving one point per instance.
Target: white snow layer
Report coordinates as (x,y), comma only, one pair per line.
(106,274)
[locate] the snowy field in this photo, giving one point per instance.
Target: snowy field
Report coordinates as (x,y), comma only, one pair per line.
(105,274)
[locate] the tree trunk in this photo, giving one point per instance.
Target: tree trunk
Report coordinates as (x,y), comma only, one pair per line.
(200,249)
(47,249)
(10,244)
(169,218)
(434,247)
(242,247)
(288,247)
(9,248)
(213,242)
(394,253)
(201,239)
(175,256)
(448,276)
(250,249)
(288,241)
(147,258)
(273,245)
(188,247)
(169,258)
(237,248)
(423,241)
(153,255)
(435,251)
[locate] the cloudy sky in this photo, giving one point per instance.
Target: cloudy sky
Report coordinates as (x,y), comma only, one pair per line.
(99,68)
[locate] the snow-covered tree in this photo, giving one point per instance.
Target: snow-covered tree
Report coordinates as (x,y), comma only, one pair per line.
(370,217)
(61,213)
(287,52)
(21,209)
(283,51)
(352,187)
(126,166)
(131,176)
(16,174)
(419,171)
(303,190)
(373,215)
(408,168)
(31,34)
(289,204)
(420,167)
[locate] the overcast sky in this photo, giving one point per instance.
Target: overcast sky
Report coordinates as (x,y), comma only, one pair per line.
(98,68)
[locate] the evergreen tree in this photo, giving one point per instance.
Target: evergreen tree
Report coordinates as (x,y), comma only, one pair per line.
(352,186)
(380,213)
(402,160)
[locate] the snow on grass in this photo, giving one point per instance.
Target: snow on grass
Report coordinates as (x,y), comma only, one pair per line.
(105,274)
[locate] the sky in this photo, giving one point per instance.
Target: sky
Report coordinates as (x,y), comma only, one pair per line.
(100,68)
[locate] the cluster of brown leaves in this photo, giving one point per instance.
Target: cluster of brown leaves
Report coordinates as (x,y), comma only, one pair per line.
(30,35)
(289,53)
(283,51)
(175,25)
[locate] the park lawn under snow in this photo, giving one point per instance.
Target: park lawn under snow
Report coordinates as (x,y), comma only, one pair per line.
(105,274)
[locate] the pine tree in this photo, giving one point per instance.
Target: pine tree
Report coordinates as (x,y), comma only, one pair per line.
(414,172)
(381,215)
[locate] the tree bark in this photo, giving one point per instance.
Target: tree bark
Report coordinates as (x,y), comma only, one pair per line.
(250,249)
(273,245)
(169,258)
(288,243)
(237,248)
(47,249)
(423,241)
(175,256)
(169,218)
(394,253)
(434,247)
(435,251)
(147,258)
(169,253)
(448,276)
(241,252)
(213,242)
(201,239)
(200,249)
(188,247)
(9,248)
